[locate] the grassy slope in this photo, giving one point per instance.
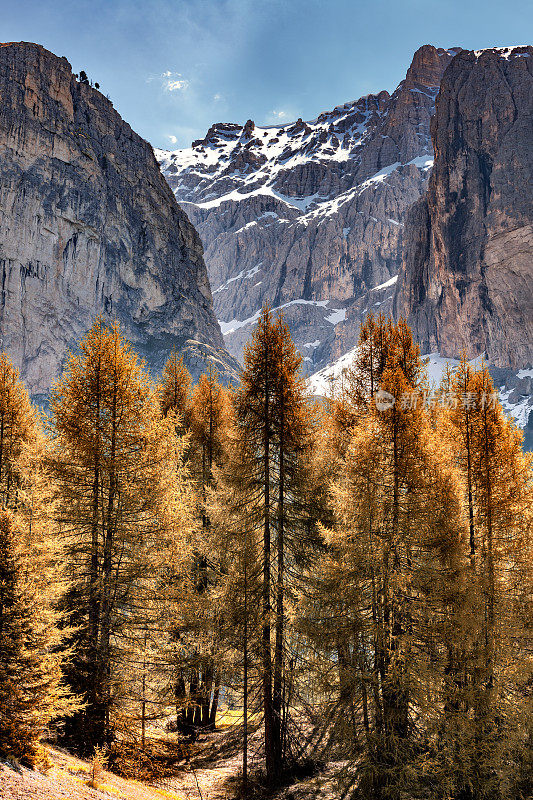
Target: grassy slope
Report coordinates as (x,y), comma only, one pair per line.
(68,778)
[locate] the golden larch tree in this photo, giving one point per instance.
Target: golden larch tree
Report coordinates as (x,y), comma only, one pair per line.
(122,510)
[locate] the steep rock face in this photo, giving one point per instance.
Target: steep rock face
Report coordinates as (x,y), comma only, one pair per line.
(309,216)
(467,276)
(88,226)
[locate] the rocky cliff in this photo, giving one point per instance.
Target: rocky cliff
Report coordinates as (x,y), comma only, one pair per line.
(467,279)
(89,226)
(309,216)
(467,276)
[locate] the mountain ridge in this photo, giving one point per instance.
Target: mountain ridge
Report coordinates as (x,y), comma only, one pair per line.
(308,216)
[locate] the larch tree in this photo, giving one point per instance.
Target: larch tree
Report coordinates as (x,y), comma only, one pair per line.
(25,483)
(354,389)
(208,412)
(199,673)
(379,603)
(32,692)
(266,493)
(18,428)
(498,492)
(237,545)
(174,389)
(123,512)
(32,577)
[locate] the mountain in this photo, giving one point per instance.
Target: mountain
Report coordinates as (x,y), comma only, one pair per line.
(467,275)
(89,226)
(309,216)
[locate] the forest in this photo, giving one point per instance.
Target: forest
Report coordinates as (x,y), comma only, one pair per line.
(349,577)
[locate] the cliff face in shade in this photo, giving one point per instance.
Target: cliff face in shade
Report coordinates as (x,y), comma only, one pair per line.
(309,216)
(89,226)
(467,275)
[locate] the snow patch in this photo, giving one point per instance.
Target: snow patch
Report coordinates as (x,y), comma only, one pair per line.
(504,52)
(519,411)
(241,276)
(338,315)
(385,285)
(380,176)
(235,324)
(320,382)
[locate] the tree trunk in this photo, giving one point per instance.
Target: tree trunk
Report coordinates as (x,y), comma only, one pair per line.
(278,647)
(245,686)
(94,601)
(270,756)
(107,588)
(214,701)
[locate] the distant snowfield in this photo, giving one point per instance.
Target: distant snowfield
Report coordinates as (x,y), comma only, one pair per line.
(505,52)
(320,206)
(320,382)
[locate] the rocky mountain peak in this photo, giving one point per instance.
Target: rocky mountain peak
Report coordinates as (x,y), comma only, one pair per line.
(309,215)
(426,66)
(467,274)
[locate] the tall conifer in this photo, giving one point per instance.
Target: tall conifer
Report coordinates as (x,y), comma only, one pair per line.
(392,560)
(122,506)
(498,492)
(267,503)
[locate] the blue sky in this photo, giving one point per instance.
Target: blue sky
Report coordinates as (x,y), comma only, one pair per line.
(173,67)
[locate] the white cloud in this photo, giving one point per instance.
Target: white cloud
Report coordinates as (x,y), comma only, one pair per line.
(170,81)
(175,84)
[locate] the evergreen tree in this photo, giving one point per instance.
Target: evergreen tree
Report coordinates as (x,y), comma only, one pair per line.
(25,483)
(208,413)
(497,485)
(384,587)
(18,428)
(174,389)
(199,673)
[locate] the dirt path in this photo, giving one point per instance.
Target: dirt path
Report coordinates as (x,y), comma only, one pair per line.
(215,763)
(217,760)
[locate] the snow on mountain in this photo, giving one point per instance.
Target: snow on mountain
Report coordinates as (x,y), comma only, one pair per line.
(309,216)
